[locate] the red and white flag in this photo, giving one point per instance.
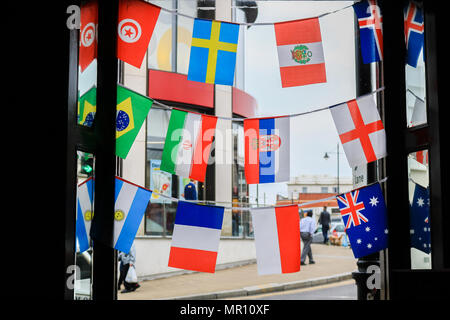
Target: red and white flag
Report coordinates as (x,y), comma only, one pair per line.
(88,33)
(277,239)
(300,52)
(136,22)
(361,130)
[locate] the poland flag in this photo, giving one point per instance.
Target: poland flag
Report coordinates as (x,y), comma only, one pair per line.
(277,239)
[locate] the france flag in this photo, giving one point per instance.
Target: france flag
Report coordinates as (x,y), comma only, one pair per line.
(130,204)
(196,236)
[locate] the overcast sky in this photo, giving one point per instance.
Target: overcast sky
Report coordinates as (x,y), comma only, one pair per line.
(314,134)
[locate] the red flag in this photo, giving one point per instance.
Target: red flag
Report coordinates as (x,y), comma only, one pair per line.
(300,52)
(88,36)
(136,22)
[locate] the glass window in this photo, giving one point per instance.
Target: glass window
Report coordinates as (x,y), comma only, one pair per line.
(160,54)
(419,197)
(87,64)
(84,214)
(240,219)
(415,65)
(324,189)
(184,34)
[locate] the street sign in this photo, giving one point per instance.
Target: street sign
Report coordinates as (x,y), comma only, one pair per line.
(359,175)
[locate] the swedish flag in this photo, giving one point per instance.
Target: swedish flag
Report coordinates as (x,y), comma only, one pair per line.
(213,52)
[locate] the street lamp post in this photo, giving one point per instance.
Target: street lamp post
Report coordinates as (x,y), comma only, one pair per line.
(326,157)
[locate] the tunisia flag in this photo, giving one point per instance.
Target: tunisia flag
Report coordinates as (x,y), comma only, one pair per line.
(137,19)
(88,36)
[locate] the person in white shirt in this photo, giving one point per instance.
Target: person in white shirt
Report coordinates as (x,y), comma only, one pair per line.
(307,228)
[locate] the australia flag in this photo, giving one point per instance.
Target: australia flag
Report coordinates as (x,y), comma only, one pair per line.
(419,219)
(364,214)
(413,20)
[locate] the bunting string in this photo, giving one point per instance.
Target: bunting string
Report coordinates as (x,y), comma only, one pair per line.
(167,107)
(212,202)
(415,95)
(175,12)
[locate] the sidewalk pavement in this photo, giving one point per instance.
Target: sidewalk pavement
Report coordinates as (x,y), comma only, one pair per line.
(332,264)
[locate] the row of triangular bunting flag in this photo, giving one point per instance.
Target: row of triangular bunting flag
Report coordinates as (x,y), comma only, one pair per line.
(189,136)
(197,227)
(214,43)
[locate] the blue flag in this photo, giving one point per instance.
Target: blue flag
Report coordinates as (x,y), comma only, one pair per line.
(370,30)
(213,52)
(130,204)
(364,214)
(413,33)
(419,219)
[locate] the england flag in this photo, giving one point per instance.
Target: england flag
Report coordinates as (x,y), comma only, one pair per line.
(360,130)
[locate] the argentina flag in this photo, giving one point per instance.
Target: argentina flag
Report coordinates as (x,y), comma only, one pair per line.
(130,204)
(85,213)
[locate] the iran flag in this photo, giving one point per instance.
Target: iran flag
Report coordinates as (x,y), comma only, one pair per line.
(277,239)
(360,130)
(188,143)
(137,19)
(300,52)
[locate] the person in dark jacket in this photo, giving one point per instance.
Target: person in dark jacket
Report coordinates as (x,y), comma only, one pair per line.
(325,221)
(190,192)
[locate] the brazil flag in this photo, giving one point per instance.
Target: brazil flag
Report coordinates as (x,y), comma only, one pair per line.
(132,109)
(87,107)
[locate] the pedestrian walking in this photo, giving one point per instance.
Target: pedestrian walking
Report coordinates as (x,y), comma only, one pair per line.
(307,228)
(127,261)
(190,192)
(325,221)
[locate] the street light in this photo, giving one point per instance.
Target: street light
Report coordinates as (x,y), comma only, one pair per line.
(326,157)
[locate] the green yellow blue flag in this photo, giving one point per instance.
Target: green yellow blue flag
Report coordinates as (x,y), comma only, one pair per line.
(213,52)
(87,107)
(132,109)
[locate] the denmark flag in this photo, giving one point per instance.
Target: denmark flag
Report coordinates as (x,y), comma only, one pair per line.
(137,19)
(300,52)
(361,130)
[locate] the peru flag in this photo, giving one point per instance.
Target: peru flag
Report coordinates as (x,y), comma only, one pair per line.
(137,19)
(300,52)
(196,236)
(267,150)
(277,239)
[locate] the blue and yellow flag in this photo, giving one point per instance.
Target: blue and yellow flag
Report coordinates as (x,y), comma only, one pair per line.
(213,52)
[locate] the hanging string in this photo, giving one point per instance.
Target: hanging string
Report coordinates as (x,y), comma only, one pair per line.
(167,107)
(415,95)
(305,204)
(175,12)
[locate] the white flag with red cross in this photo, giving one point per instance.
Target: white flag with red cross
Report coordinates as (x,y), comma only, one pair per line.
(360,130)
